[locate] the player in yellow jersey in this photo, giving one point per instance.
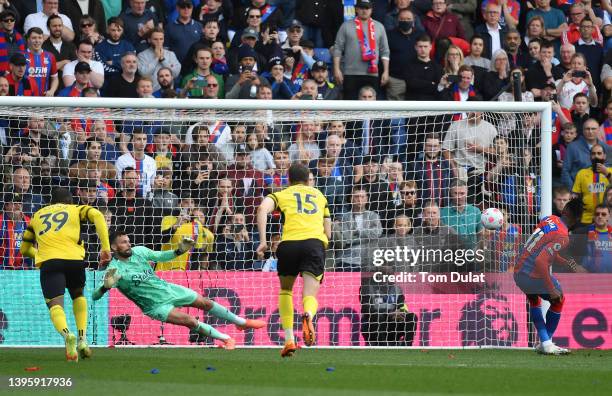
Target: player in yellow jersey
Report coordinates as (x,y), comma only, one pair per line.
(306,232)
(56,230)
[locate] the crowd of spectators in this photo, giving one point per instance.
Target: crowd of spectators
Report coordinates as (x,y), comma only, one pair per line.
(425,177)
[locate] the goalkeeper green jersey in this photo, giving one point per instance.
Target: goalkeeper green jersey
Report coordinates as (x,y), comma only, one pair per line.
(138,282)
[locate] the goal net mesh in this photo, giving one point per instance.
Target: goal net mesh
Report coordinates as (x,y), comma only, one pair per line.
(405,192)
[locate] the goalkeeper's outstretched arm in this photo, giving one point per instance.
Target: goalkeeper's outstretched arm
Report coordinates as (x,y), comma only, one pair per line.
(111,277)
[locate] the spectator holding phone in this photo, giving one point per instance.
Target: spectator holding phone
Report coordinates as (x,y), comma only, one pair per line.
(577,79)
(193,83)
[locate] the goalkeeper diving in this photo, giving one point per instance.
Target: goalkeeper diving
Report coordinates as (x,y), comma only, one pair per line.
(130,271)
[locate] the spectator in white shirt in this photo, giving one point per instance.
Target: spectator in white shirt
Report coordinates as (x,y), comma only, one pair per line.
(143,164)
(39,19)
(85,53)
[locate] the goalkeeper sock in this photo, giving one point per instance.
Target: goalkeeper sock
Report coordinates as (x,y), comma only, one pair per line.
(79,308)
(221,312)
(552,320)
(209,331)
(310,305)
(538,321)
(285,310)
(58,317)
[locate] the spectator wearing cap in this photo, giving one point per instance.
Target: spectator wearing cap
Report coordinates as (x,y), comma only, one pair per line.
(82,73)
(139,22)
(248,38)
(39,19)
(63,51)
(193,83)
(85,53)
(124,84)
(11,41)
(402,40)
(282,88)
(109,51)
(75,11)
(13,223)
(253,22)
(295,32)
(247,69)
(361,44)
(157,57)
(326,90)
(19,83)
(183,32)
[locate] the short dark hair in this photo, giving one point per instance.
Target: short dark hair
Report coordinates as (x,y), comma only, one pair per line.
(51,18)
(36,30)
(575,208)
(424,38)
(116,234)
(61,195)
(547,44)
(91,140)
(298,173)
(126,170)
(561,190)
(115,21)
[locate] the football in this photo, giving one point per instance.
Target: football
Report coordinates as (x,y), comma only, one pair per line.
(492,219)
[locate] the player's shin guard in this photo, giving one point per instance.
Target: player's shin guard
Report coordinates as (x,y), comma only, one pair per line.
(552,317)
(79,308)
(58,317)
(311,305)
(209,331)
(285,310)
(221,312)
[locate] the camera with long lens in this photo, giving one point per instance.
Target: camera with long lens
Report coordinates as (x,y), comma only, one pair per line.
(516,86)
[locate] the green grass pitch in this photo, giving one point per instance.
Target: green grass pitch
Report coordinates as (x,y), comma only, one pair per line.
(189,372)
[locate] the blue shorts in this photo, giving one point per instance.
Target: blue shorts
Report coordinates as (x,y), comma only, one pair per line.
(534,286)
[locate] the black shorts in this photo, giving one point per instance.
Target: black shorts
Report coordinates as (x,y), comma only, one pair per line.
(56,275)
(295,257)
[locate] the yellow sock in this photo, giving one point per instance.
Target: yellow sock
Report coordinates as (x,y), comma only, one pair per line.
(58,317)
(310,305)
(79,307)
(285,310)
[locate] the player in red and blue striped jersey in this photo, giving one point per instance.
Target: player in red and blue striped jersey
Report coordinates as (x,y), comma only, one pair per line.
(41,64)
(532,272)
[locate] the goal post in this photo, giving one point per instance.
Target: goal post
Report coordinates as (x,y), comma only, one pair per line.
(211,162)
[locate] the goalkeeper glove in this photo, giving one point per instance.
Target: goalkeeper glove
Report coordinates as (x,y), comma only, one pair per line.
(111,278)
(185,245)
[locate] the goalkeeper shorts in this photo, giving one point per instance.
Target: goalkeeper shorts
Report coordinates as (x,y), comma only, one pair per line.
(175,296)
(296,257)
(57,275)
